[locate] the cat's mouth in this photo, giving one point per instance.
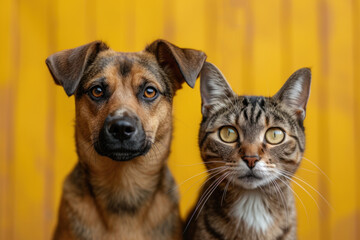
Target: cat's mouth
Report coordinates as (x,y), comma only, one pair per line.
(249,177)
(250,180)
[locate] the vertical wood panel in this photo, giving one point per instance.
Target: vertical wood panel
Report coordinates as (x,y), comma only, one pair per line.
(234,31)
(286,41)
(149,26)
(304,50)
(257,45)
(5,118)
(341,145)
(248,47)
(189,32)
(267,49)
(323,98)
(30,117)
(49,208)
(111,23)
(71,31)
(356,80)
(10,86)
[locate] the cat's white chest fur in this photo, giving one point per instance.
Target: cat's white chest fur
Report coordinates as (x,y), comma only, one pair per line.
(251,209)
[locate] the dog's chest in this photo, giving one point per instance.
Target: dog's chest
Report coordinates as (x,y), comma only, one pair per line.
(124,232)
(251,211)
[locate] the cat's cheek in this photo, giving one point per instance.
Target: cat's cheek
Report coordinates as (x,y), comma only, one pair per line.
(267,172)
(264,168)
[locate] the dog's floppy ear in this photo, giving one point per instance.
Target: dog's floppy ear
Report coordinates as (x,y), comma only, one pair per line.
(181,63)
(68,66)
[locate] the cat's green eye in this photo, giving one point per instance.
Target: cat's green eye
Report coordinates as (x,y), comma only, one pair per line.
(228,134)
(274,135)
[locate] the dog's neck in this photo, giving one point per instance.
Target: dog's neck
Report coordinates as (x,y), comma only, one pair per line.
(124,185)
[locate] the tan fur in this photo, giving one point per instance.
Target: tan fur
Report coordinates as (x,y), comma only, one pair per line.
(99,195)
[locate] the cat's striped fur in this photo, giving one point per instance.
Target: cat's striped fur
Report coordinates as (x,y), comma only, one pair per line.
(247,194)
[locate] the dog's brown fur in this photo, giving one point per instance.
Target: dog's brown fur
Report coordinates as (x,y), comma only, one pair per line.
(107,199)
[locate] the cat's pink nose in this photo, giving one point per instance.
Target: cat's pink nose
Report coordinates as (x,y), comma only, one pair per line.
(251,160)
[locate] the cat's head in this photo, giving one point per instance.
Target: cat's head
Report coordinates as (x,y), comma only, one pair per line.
(249,140)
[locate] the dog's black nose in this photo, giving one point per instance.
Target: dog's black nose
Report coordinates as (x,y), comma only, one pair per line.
(122,138)
(122,129)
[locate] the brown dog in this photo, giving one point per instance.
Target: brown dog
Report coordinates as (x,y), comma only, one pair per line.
(121,187)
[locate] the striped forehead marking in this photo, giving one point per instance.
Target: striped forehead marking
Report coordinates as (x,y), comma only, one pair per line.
(253,108)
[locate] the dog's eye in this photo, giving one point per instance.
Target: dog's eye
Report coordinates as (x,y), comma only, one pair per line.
(97,92)
(274,135)
(150,92)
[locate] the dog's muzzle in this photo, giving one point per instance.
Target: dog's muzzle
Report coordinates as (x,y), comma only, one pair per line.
(122,138)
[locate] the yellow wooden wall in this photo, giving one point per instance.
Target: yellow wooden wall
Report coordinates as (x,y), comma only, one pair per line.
(256,43)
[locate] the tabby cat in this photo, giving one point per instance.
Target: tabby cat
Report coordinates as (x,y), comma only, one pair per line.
(251,147)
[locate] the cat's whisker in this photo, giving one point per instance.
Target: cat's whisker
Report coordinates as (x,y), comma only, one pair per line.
(309,170)
(301,180)
(206,171)
(302,203)
(306,191)
(224,194)
(208,190)
(231,164)
(202,198)
(211,192)
(282,199)
(289,174)
(209,177)
(211,155)
(201,163)
(315,165)
(278,189)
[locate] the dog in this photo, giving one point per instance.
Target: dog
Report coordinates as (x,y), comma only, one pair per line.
(121,187)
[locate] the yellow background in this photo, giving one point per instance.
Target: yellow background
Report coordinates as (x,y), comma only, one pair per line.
(257,44)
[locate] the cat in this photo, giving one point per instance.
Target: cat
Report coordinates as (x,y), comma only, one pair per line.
(251,147)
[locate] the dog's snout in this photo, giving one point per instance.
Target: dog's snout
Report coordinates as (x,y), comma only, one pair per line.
(122,137)
(122,129)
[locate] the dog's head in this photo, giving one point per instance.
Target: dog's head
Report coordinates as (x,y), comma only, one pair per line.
(123,100)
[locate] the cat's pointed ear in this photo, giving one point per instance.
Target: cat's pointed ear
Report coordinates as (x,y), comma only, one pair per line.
(214,88)
(295,92)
